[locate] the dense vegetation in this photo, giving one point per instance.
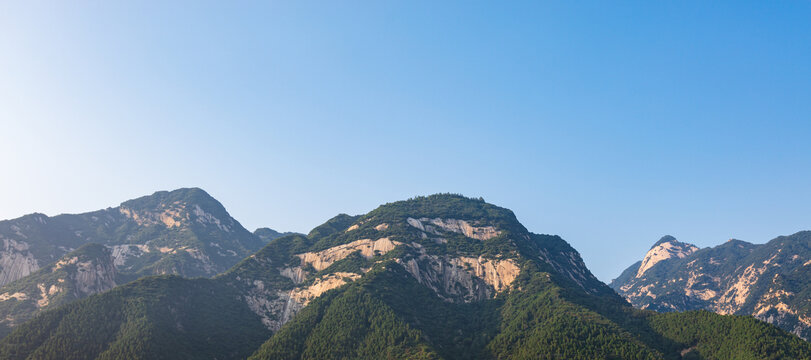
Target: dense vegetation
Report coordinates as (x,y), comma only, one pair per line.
(267,234)
(714,336)
(353,324)
(165,317)
(554,309)
(392,314)
(53,285)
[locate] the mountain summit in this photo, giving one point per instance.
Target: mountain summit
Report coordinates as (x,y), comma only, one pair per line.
(769,281)
(49,261)
(434,277)
(184,231)
(666,248)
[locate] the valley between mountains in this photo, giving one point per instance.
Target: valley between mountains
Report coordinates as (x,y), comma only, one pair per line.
(173,276)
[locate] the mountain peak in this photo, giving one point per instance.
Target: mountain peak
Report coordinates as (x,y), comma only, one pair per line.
(179,208)
(734,277)
(666,248)
(447,206)
(267,234)
(183,195)
(736,242)
(665,239)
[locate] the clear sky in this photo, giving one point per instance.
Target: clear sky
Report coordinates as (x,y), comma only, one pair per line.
(608,123)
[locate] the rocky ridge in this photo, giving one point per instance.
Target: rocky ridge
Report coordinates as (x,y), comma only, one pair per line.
(442,276)
(768,281)
(183,232)
(346,248)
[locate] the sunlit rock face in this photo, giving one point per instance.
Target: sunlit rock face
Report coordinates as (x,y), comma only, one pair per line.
(666,248)
(733,278)
(185,232)
(452,278)
(459,257)
(16,261)
(86,271)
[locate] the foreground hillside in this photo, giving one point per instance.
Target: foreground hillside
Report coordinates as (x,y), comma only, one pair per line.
(771,281)
(433,277)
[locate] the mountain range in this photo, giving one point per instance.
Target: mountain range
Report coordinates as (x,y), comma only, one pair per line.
(47,261)
(435,277)
(770,281)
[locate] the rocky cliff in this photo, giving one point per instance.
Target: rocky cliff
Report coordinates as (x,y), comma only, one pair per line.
(86,271)
(183,232)
(769,281)
(461,259)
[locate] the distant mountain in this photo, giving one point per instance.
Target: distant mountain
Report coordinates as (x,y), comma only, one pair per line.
(771,281)
(432,277)
(185,232)
(268,234)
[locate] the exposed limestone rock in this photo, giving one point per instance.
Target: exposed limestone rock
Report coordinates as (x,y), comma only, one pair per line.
(15,261)
(165,250)
(303,296)
(381,227)
(415,223)
(92,277)
(61,263)
(45,294)
(297,274)
(168,219)
(664,251)
(72,277)
(121,253)
(497,273)
(697,286)
(368,249)
(735,296)
(147,218)
(454,225)
(204,217)
(462,279)
(645,291)
(173,215)
(353,227)
(705,294)
(19,296)
(276,308)
(772,309)
(734,278)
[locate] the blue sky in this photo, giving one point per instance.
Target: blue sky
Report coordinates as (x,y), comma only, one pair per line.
(610,124)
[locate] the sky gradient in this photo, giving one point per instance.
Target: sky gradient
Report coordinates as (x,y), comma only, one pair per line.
(608,124)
